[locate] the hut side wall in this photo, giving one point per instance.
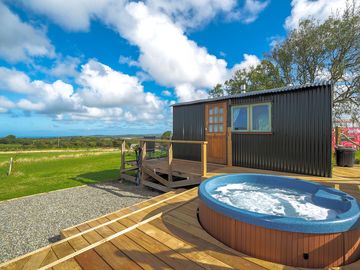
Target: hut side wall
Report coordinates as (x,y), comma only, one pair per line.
(301,133)
(188,124)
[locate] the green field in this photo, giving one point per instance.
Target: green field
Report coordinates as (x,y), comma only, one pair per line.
(46,171)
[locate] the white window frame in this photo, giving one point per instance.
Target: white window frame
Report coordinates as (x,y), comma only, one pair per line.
(249,108)
(232,118)
(251,118)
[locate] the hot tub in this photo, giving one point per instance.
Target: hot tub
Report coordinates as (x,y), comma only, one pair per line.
(281,219)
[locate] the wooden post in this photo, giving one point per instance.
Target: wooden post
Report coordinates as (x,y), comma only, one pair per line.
(123,150)
(170,160)
(10,166)
(229,147)
(337,136)
(203,159)
(143,157)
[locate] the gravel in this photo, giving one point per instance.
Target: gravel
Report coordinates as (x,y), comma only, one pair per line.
(32,222)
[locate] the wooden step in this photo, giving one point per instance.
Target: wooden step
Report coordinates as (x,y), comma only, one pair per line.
(96,233)
(119,213)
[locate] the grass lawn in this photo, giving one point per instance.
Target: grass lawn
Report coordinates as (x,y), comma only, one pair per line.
(46,171)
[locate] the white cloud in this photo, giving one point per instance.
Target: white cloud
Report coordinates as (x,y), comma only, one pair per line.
(250,11)
(128,61)
(18,40)
(318,9)
(66,67)
(72,15)
(5,104)
(102,94)
(248,62)
(166,93)
(158,29)
(189,13)
(14,81)
(165,52)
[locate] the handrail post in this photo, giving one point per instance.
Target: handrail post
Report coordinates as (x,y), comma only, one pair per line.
(203,160)
(123,149)
(170,160)
(143,151)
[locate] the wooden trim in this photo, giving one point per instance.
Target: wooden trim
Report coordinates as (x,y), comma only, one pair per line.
(156,186)
(170,160)
(173,141)
(203,160)
(156,177)
(229,147)
(122,165)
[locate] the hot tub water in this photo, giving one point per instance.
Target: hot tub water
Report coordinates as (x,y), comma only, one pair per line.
(269,200)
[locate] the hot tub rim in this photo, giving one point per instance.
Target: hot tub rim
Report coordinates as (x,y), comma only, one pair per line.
(350,219)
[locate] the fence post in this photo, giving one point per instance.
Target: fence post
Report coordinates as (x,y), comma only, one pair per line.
(170,160)
(203,159)
(10,166)
(123,150)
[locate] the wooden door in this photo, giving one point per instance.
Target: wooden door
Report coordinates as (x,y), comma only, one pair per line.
(215,131)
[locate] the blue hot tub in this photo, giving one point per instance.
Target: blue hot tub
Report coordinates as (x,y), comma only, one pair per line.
(310,240)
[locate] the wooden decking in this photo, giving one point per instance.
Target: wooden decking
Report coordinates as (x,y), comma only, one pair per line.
(188,173)
(162,233)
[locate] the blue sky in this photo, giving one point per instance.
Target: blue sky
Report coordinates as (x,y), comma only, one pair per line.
(115,66)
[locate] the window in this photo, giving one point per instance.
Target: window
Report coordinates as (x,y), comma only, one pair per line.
(260,117)
(251,118)
(240,118)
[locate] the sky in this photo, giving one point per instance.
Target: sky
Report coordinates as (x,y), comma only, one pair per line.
(112,67)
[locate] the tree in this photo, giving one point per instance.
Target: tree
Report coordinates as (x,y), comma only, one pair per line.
(310,53)
(166,135)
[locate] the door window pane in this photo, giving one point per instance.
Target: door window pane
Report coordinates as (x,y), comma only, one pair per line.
(215,128)
(221,120)
(221,111)
(210,128)
(261,117)
(240,118)
(210,111)
(215,119)
(221,128)
(210,119)
(216,110)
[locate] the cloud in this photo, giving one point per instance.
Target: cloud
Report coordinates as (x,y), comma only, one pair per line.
(14,81)
(72,15)
(165,52)
(318,9)
(18,40)
(166,93)
(189,13)
(103,94)
(67,67)
(250,11)
(5,104)
(248,62)
(158,28)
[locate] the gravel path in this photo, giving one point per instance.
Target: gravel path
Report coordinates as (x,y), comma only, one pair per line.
(32,222)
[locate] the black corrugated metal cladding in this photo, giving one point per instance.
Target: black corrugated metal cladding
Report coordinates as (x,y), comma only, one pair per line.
(301,133)
(188,124)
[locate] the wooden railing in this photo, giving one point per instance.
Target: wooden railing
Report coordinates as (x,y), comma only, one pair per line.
(132,165)
(170,152)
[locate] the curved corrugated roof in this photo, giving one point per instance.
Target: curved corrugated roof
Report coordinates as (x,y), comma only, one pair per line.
(256,93)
